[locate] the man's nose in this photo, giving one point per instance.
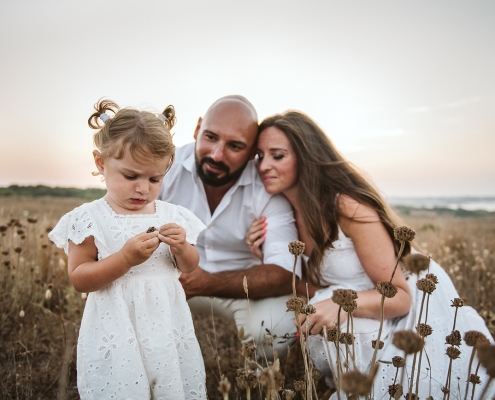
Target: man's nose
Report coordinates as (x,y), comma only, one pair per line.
(217,153)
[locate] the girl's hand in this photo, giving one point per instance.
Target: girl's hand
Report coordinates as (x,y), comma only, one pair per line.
(255,236)
(326,315)
(175,236)
(139,248)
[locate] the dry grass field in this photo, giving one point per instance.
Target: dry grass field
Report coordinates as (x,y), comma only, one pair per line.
(40,311)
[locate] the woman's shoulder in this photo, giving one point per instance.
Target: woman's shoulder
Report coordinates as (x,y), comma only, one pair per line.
(352,209)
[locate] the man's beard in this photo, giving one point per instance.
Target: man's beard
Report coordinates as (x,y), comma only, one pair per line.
(212,179)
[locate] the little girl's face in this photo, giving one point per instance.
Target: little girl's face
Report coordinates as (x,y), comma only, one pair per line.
(132,186)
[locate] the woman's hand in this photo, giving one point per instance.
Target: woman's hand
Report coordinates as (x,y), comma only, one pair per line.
(139,248)
(255,236)
(326,315)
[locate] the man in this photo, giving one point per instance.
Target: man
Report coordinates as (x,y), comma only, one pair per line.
(216,179)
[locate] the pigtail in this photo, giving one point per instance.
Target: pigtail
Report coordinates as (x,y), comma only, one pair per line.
(169,117)
(96,121)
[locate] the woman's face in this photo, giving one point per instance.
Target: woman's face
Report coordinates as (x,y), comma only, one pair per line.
(277,162)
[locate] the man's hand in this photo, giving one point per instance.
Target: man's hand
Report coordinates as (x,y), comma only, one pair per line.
(195,282)
(139,248)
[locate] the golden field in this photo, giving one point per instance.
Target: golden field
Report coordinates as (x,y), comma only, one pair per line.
(40,311)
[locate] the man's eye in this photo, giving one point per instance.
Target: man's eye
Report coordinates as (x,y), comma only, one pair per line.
(130,177)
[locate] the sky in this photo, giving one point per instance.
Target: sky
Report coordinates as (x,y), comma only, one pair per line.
(405,89)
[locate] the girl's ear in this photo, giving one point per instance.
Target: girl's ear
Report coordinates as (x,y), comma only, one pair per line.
(99,162)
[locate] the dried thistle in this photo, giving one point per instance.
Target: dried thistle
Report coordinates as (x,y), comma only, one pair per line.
(398,361)
(48,294)
(395,391)
(22,314)
(486,355)
(246,379)
(346,338)
(32,220)
(411,396)
(18,250)
(453,352)
(425,330)
(248,349)
(3,229)
(471,338)
(151,229)
(357,383)
(296,304)
(432,277)
(404,234)
(344,297)
(408,341)
(332,334)
(288,394)
(454,339)
(380,345)
(224,386)
(309,309)
(386,288)
(315,374)
(457,303)
(426,285)
(296,248)
(300,386)
(416,263)
(474,379)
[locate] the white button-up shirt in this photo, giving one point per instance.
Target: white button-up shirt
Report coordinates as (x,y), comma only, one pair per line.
(222,245)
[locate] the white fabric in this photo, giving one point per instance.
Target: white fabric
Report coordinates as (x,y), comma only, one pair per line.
(137,338)
(341,264)
(222,245)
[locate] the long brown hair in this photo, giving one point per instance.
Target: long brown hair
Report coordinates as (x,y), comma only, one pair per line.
(323,174)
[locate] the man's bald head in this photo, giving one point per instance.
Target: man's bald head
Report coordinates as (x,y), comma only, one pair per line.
(237,102)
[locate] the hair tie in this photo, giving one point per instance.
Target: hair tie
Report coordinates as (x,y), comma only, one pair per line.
(104,117)
(161,117)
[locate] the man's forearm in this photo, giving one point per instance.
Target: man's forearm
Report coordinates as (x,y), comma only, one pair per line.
(266,280)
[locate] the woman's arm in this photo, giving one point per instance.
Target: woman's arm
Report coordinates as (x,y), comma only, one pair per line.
(87,274)
(375,250)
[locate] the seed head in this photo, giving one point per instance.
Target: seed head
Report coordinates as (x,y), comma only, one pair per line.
(386,288)
(404,234)
(32,220)
(416,262)
(150,229)
(246,379)
(355,382)
(245,285)
(18,250)
(3,229)
(425,285)
(332,334)
(309,309)
(380,345)
(454,339)
(22,314)
(296,248)
(398,361)
(432,277)
(395,391)
(344,297)
(272,378)
(425,330)
(453,352)
(471,338)
(486,355)
(411,396)
(289,394)
(457,302)
(296,304)
(48,294)
(5,252)
(84,296)
(350,307)
(315,374)
(224,385)
(268,339)
(408,341)
(346,338)
(299,386)
(474,379)
(248,349)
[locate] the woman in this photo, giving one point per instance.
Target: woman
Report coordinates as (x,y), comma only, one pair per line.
(348,232)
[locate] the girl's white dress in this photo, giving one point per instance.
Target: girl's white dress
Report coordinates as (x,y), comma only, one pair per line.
(341,264)
(137,339)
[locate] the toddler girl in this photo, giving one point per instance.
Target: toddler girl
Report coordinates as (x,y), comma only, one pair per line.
(127,249)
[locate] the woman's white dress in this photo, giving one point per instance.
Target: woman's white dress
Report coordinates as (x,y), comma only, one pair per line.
(137,339)
(341,264)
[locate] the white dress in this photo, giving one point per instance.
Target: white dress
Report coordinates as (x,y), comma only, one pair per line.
(341,264)
(137,339)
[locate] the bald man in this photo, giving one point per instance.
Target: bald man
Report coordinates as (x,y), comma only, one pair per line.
(216,179)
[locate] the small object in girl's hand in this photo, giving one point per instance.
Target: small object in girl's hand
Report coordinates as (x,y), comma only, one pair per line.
(151,229)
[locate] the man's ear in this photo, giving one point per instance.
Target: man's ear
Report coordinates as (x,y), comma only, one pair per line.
(198,127)
(99,162)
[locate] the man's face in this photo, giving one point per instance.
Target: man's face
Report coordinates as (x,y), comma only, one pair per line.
(224,144)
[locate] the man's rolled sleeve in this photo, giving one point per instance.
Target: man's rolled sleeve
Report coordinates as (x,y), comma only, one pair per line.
(281,230)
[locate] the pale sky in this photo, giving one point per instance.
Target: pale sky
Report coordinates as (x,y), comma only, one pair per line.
(405,89)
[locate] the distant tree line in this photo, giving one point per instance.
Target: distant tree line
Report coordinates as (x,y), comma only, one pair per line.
(41,190)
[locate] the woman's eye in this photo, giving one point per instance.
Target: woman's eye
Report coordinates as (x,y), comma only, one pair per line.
(258,158)
(278,156)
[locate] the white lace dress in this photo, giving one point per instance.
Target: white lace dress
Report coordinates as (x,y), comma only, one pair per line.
(341,264)
(137,339)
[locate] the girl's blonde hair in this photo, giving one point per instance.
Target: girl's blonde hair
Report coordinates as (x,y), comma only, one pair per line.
(143,132)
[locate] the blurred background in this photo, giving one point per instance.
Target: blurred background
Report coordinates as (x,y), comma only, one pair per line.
(406,90)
